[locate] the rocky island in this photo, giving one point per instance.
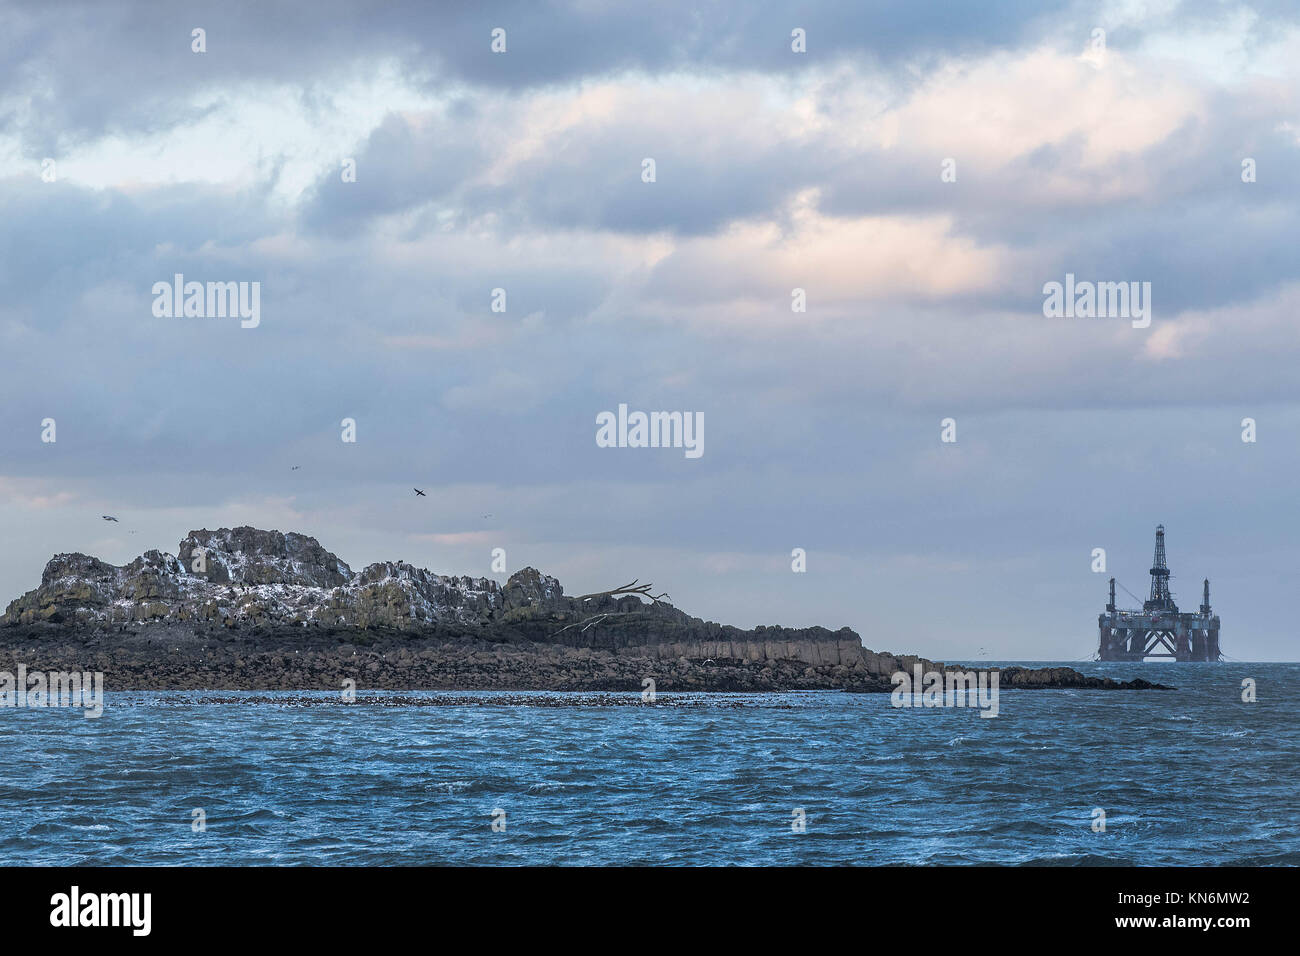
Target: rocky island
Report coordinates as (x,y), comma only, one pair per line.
(246,609)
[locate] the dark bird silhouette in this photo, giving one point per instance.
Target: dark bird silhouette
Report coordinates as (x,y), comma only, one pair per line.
(487,516)
(420,493)
(295,467)
(108,517)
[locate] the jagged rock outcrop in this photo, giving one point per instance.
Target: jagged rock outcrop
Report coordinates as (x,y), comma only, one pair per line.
(235,576)
(249,556)
(239,577)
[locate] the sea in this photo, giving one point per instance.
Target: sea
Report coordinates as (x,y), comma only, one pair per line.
(1191,776)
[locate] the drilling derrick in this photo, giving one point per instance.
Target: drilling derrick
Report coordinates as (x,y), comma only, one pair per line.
(1159,629)
(1160,599)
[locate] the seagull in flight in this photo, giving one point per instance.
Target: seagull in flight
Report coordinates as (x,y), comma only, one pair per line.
(108,517)
(420,494)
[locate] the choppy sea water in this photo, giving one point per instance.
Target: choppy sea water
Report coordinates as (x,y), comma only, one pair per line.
(1192,776)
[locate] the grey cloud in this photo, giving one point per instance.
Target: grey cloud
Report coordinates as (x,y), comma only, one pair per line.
(398,169)
(134,69)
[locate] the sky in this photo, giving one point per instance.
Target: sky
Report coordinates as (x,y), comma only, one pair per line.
(919,170)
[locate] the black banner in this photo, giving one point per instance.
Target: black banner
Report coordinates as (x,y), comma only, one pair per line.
(336,905)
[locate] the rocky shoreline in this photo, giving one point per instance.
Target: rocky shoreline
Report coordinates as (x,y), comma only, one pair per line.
(161,657)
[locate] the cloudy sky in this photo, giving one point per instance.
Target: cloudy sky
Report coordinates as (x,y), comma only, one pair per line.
(1114,156)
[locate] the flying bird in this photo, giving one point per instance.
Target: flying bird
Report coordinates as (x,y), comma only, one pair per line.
(295,467)
(420,493)
(108,517)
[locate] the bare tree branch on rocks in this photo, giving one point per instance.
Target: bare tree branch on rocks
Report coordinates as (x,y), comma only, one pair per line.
(632,588)
(641,590)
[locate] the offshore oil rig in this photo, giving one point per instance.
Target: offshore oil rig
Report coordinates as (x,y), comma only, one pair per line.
(1159,629)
